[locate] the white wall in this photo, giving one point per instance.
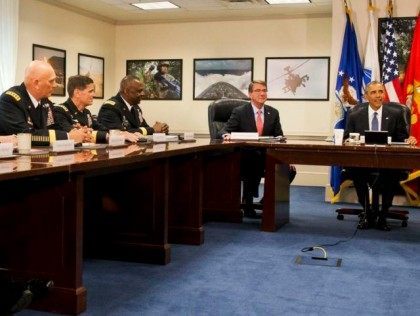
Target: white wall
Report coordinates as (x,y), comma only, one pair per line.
(257,39)
(48,25)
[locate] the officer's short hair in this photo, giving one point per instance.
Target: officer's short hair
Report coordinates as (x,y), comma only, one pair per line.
(77,82)
(127,80)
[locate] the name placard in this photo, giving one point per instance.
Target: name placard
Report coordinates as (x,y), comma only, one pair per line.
(243,136)
(188,135)
(7,166)
(159,137)
(6,149)
(116,140)
(62,160)
(63,145)
(116,153)
(159,147)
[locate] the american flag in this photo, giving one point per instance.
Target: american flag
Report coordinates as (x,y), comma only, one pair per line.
(390,73)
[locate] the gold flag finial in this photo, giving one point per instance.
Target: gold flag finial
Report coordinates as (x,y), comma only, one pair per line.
(346,7)
(390,8)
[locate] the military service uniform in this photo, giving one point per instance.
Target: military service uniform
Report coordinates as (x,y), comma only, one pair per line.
(67,114)
(19,115)
(114,114)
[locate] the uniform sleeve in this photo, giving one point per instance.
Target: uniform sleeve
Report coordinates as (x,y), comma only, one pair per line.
(110,117)
(13,119)
(63,118)
(145,129)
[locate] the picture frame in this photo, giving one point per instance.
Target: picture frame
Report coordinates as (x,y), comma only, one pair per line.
(403,31)
(94,68)
(298,78)
(162,78)
(217,78)
(57,59)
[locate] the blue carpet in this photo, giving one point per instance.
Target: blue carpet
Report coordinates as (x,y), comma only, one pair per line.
(240,270)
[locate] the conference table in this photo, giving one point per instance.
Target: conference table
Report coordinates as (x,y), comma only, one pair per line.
(131,202)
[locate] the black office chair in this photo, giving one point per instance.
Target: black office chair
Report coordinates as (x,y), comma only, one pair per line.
(218,114)
(392,214)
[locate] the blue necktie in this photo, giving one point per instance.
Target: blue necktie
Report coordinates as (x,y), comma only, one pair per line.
(375,123)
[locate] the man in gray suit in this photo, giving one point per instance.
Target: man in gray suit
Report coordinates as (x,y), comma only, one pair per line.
(255,116)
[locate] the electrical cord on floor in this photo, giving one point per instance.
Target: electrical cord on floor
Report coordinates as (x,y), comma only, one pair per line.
(321,247)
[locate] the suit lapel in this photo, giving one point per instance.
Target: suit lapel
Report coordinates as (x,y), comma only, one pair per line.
(268,121)
(385,119)
(251,118)
(365,122)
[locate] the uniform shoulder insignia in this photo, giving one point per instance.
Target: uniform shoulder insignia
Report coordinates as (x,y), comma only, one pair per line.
(62,107)
(110,102)
(14,95)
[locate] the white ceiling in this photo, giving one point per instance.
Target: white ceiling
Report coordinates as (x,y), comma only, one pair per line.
(122,12)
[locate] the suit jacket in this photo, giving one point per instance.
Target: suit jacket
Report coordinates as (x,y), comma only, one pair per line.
(242,119)
(67,114)
(114,114)
(393,121)
(17,115)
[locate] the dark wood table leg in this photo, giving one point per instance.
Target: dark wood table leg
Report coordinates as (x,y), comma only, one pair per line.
(276,195)
(222,187)
(41,220)
(185,200)
(126,214)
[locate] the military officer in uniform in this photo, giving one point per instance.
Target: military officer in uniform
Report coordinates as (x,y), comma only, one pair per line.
(123,111)
(27,109)
(74,113)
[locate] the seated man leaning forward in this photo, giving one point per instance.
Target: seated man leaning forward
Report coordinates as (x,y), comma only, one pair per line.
(255,116)
(74,113)
(123,111)
(27,109)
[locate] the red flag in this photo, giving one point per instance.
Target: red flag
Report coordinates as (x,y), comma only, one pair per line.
(411,87)
(411,97)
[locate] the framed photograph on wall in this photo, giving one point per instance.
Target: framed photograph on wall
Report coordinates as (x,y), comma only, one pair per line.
(297,78)
(219,78)
(57,59)
(94,68)
(162,77)
(403,31)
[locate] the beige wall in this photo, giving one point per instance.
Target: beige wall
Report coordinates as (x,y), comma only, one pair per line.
(257,39)
(48,25)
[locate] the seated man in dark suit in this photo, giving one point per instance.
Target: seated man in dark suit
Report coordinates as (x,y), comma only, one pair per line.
(375,115)
(255,116)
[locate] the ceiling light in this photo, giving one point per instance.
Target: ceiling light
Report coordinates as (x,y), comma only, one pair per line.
(155,5)
(287,1)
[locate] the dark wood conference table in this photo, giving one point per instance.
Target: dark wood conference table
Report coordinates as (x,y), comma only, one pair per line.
(130,203)
(279,155)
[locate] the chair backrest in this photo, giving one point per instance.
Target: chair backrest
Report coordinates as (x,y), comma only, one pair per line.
(219,112)
(405,112)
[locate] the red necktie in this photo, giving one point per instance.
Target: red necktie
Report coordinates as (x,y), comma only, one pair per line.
(260,123)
